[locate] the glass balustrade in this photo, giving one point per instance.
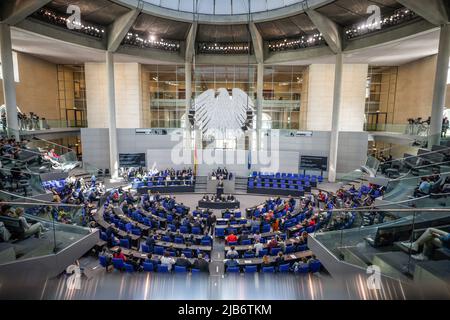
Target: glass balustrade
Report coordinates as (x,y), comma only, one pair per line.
(377,236)
(36,228)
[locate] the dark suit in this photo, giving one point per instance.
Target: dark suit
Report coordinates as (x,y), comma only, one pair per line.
(201,264)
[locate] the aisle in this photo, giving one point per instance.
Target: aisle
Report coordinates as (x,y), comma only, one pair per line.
(217,267)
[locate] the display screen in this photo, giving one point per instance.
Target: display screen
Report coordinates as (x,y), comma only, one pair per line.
(132,160)
(313,163)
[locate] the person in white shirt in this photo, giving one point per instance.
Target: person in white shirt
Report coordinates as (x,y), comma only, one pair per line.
(232,253)
(258,246)
(167,260)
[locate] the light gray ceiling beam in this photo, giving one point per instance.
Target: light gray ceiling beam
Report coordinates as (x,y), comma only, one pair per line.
(330,31)
(117,30)
(433,11)
(14,11)
(257,41)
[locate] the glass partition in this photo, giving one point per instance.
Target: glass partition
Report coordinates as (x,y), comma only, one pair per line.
(380,236)
(37,228)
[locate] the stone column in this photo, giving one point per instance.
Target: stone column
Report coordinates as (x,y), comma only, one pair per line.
(9,86)
(334,138)
(440,87)
(111,101)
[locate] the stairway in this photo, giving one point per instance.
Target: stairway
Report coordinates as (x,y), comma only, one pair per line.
(240,184)
(201,184)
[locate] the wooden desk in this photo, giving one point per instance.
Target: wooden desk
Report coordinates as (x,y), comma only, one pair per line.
(245,247)
(98,217)
(290,257)
(181,246)
(141,255)
(183,235)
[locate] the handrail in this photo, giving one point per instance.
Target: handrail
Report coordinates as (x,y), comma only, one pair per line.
(56,204)
(15,160)
(417,177)
(54,144)
(22,197)
(388,210)
(416,156)
(28,172)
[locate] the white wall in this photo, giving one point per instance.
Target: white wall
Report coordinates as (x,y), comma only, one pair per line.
(128,95)
(320,97)
(158,150)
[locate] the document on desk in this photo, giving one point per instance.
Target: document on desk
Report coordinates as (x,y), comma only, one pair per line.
(293,256)
(247,261)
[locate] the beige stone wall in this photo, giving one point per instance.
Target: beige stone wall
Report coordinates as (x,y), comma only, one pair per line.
(37,90)
(128,95)
(320,97)
(304,101)
(414,94)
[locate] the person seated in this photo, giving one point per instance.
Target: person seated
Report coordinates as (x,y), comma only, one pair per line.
(182,261)
(167,260)
(206,236)
(244,236)
(119,255)
(272,243)
(279,259)
(312,259)
(249,251)
(36,229)
(232,252)
(231,198)
(266,262)
(108,258)
(135,262)
(299,264)
(231,262)
(430,239)
(201,264)
(423,189)
(153,260)
(231,238)
(446,186)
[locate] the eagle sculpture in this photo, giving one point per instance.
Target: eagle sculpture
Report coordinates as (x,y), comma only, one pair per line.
(218,113)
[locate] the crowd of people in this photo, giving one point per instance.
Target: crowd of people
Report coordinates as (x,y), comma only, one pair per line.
(221,198)
(169,174)
(36,229)
(178,222)
(221,174)
(435,184)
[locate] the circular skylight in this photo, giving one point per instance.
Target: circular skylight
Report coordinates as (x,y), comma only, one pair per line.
(223,7)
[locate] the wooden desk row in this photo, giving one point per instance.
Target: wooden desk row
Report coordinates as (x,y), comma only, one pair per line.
(288,258)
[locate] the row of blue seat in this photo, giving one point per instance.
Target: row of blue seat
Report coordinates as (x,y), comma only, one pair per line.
(175,183)
(300,187)
(313,268)
(275,251)
(160,251)
(285,175)
(119,264)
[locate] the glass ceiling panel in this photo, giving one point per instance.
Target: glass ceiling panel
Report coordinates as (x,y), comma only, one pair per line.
(223,7)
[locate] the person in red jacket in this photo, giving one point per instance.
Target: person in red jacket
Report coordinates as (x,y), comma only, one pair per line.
(231,238)
(120,255)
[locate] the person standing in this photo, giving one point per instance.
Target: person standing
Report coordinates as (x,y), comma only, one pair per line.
(445,126)
(211,222)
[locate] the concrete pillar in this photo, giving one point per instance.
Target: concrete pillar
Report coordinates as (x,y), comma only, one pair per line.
(334,138)
(111,102)
(188,90)
(440,87)
(259,102)
(9,86)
